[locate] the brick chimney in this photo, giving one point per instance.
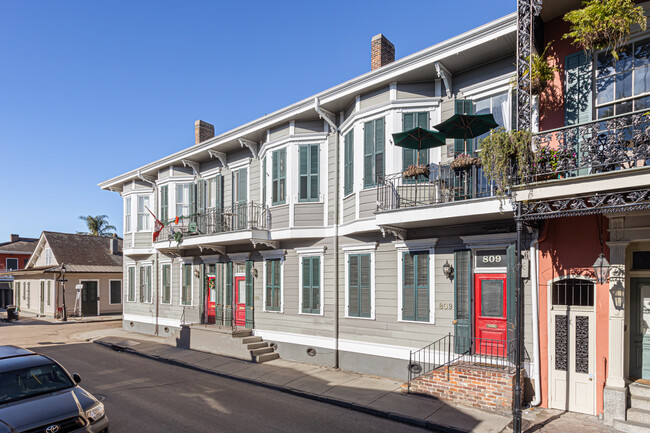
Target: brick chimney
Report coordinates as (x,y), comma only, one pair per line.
(113,245)
(202,131)
(382,52)
(14,238)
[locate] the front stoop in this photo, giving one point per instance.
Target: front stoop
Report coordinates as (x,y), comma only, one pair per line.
(259,349)
(638,412)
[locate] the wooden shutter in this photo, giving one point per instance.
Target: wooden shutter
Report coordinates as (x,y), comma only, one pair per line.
(463,106)
(349,163)
(242,182)
(249,294)
(200,200)
(164,203)
(303,153)
(192,198)
(311,285)
(218,191)
(422,286)
(408,287)
(282,173)
(364,285)
(379,150)
(462,299)
(422,120)
(313,172)
(229,285)
(353,286)
(165,284)
(368,153)
(578,89)
(511,287)
(273,285)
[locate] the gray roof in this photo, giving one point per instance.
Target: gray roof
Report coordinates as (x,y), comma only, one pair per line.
(23,245)
(84,250)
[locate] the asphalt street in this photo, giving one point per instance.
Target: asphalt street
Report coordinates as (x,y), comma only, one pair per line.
(143,395)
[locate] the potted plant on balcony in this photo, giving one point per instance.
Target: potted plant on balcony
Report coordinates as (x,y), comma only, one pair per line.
(464,161)
(548,163)
(416,170)
(541,73)
(602,24)
(506,156)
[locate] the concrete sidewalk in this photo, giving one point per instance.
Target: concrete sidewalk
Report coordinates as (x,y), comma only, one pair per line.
(89,319)
(375,395)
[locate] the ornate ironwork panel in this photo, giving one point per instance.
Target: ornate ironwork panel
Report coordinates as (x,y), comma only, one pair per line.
(526,12)
(561,342)
(582,344)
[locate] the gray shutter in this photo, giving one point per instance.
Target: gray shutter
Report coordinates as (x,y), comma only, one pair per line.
(306,285)
(364,285)
(282,172)
(313,172)
(408,287)
(462,299)
(303,158)
(164,204)
(315,283)
(422,285)
(368,153)
(353,286)
(348,163)
(379,150)
(249,294)
(578,93)
(229,285)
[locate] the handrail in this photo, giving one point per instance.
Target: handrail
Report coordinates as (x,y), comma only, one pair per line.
(546,131)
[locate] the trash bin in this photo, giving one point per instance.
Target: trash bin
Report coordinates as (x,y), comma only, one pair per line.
(12,312)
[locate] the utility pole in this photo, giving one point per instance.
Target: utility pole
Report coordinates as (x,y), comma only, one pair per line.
(516,413)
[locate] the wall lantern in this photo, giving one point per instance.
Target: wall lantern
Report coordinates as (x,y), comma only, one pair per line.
(601,269)
(448,270)
(618,296)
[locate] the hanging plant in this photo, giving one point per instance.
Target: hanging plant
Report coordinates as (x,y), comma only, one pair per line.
(506,156)
(464,161)
(602,24)
(416,170)
(541,73)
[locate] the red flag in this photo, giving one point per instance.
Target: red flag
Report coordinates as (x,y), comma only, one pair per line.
(157,227)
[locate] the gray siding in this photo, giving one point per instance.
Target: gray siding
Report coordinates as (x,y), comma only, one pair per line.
(279,132)
(483,73)
(416,90)
(309,126)
(163,173)
(349,208)
(447,110)
(280,217)
(210,164)
(375,98)
(332,177)
(254,178)
(142,239)
(349,110)
(308,214)
(127,240)
(367,202)
(182,171)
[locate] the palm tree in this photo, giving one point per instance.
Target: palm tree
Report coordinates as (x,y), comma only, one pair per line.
(98,225)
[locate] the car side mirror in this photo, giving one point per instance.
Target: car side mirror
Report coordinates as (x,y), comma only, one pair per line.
(76,377)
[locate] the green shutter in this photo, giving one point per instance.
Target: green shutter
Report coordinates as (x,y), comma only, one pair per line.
(313,172)
(192,198)
(311,285)
(249,294)
(364,285)
(511,287)
(578,89)
(164,203)
(462,299)
(229,285)
(368,154)
(349,163)
(273,285)
(218,191)
(308,173)
(353,286)
(165,284)
(379,150)
(131,272)
(278,169)
(422,287)
(200,200)
(408,287)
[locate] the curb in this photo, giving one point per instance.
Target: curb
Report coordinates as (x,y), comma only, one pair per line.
(329,400)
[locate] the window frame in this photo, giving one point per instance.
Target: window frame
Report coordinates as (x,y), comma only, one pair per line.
(419,245)
(186,203)
(309,175)
(374,154)
(359,250)
(146,199)
(163,264)
(266,260)
(7,263)
(416,118)
(128,215)
(111,301)
(183,265)
(310,253)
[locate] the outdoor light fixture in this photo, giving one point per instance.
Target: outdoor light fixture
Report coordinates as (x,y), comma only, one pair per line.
(63,280)
(197,274)
(601,268)
(618,296)
(448,270)
(254,273)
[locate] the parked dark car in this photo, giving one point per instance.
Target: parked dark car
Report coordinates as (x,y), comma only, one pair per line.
(38,395)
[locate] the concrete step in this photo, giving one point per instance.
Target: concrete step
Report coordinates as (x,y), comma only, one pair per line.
(262,351)
(638,402)
(271,356)
(257,345)
(248,340)
(638,415)
(631,426)
(639,390)
(242,333)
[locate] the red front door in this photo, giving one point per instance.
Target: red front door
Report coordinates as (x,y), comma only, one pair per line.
(211,298)
(240,301)
(490,314)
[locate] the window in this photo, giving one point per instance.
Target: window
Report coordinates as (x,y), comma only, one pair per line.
(412,156)
(183,199)
(116,291)
(186,289)
(127,215)
(573,292)
(311,285)
(373,152)
(145,284)
(498,106)
(12,263)
(164,204)
(130,273)
(48,256)
(25,263)
(214,193)
(273,285)
(415,288)
(348,164)
(166,284)
(623,85)
(359,285)
(463,106)
(278,177)
(640,260)
(143,213)
(308,172)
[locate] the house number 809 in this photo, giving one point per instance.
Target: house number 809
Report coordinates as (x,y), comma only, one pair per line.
(445,306)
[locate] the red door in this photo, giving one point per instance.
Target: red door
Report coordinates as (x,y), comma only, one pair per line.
(490,314)
(240,301)
(210,301)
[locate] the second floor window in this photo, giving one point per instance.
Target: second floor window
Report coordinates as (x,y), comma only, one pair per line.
(308,156)
(278,176)
(183,199)
(12,263)
(348,163)
(127,215)
(373,152)
(214,193)
(164,204)
(143,213)
(413,156)
(498,106)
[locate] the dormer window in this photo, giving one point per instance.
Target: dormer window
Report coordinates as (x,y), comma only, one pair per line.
(48,256)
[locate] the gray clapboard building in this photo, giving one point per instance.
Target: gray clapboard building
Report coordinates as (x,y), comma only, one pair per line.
(302,226)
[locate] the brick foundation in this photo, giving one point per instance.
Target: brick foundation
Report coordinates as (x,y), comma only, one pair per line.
(480,387)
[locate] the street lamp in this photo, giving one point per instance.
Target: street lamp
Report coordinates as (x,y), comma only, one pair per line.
(601,268)
(63,280)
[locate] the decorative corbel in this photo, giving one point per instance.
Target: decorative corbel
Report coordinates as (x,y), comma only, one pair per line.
(445,75)
(146,177)
(221,156)
(194,165)
(268,243)
(327,115)
(397,232)
(250,144)
(217,248)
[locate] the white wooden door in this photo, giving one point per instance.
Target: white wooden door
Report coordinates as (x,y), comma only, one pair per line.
(572,370)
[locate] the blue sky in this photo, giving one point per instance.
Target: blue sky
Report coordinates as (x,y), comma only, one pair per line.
(90,89)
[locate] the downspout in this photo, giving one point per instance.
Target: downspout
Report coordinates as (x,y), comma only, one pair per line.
(155,261)
(330,119)
(534,265)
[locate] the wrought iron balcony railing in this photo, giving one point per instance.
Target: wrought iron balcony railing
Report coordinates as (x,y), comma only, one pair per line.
(442,185)
(242,216)
(616,143)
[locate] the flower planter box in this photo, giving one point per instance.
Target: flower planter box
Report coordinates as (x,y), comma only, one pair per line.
(416,170)
(465,162)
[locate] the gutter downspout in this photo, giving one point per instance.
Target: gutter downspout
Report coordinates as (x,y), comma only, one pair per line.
(534,265)
(155,261)
(331,121)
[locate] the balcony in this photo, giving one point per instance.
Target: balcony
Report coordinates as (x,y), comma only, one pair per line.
(603,155)
(442,195)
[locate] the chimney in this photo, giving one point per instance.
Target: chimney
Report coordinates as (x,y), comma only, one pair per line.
(382,52)
(15,238)
(202,131)
(113,245)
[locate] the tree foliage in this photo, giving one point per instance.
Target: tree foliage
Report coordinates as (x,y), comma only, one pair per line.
(98,225)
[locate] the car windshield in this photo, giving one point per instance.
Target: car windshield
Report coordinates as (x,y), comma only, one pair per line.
(32,381)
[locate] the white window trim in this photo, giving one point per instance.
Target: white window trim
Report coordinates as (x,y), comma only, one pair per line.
(311,252)
(366,248)
(48,285)
(160,288)
(175,189)
(268,256)
(11,258)
(137,214)
(128,284)
(144,265)
(417,245)
(110,297)
(48,256)
(128,216)
(186,262)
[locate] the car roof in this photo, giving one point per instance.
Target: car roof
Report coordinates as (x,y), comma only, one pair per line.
(13,351)
(20,362)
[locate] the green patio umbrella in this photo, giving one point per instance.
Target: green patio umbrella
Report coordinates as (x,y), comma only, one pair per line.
(418,139)
(467,126)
